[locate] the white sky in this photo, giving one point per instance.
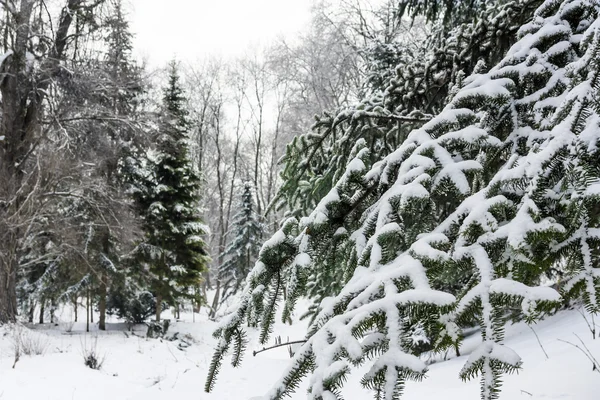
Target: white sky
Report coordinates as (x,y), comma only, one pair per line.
(192,29)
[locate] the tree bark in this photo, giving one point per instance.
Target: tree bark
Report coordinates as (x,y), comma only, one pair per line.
(215,303)
(103,278)
(42,311)
(75,308)
(31,312)
(87,312)
(52,309)
(102,305)
(259,99)
(8,291)
(222,219)
(158,307)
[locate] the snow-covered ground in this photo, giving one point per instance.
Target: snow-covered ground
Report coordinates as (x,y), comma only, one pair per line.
(136,368)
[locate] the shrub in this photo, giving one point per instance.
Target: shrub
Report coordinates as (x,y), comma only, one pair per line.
(91,357)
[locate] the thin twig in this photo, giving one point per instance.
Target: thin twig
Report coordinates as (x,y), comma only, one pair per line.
(586,352)
(538,340)
(176,379)
(597,365)
(591,326)
(255,352)
(170,351)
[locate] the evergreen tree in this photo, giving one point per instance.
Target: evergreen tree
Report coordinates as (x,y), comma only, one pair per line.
(240,255)
(167,195)
(123,72)
(124,88)
(501,186)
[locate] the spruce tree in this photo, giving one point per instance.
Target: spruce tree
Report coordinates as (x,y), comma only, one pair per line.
(167,195)
(124,73)
(125,89)
(241,253)
(501,186)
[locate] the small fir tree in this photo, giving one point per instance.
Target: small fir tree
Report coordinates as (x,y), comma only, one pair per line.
(167,195)
(241,253)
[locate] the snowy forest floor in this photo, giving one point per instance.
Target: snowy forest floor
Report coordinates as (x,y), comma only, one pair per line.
(136,368)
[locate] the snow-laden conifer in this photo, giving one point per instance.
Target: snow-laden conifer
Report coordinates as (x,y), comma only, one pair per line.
(167,194)
(243,249)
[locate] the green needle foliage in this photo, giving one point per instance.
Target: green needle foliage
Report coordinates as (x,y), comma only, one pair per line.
(401,100)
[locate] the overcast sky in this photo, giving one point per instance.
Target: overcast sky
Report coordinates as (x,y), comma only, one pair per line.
(193,29)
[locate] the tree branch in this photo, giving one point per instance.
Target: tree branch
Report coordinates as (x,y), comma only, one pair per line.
(255,352)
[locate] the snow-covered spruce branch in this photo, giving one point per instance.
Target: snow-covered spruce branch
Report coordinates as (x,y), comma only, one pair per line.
(489,190)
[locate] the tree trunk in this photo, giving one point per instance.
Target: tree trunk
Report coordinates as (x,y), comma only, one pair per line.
(14,129)
(102,305)
(8,291)
(215,303)
(75,308)
(158,307)
(87,312)
(31,312)
(222,217)
(207,284)
(194,305)
(103,277)
(42,311)
(52,309)
(259,93)
(91,299)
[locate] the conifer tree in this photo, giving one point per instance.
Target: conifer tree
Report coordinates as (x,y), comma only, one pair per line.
(124,73)
(124,90)
(240,255)
(167,196)
(501,186)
